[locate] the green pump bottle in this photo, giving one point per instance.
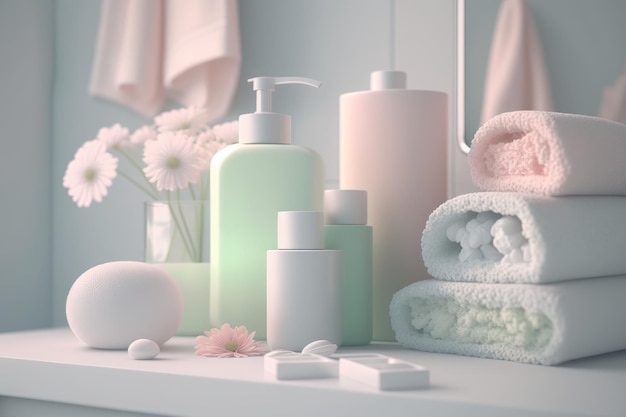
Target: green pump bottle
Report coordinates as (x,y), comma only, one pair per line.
(250,183)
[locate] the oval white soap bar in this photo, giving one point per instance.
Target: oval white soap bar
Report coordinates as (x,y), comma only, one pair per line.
(143,349)
(113,304)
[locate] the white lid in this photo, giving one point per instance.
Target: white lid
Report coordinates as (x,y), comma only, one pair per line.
(387,80)
(263,126)
(300,230)
(345,206)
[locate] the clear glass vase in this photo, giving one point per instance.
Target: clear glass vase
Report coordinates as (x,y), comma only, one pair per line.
(177,240)
(177,231)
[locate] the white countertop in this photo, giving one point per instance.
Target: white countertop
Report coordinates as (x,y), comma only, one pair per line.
(52,365)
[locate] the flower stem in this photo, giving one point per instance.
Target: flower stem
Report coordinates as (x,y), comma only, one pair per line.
(191,192)
(204,189)
(200,228)
(135,165)
(199,215)
(194,255)
(184,237)
(150,192)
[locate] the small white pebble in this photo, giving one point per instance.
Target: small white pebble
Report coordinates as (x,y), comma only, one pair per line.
(143,349)
(320,347)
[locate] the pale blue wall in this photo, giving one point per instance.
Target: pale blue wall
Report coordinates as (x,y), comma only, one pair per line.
(46,241)
(26,63)
(583,44)
(103,232)
(337,42)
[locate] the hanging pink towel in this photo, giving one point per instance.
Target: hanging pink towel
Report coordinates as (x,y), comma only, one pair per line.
(516,75)
(613,106)
(151,50)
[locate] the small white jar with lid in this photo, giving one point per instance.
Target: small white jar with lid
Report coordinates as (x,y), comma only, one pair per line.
(303,284)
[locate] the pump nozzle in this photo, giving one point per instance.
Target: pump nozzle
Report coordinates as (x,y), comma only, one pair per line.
(263,126)
(264,86)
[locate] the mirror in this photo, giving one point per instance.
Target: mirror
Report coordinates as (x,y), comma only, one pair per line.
(583,49)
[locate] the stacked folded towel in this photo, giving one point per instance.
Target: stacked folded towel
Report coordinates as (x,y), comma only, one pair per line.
(551,213)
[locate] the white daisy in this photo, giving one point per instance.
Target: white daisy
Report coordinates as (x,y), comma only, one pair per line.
(90,173)
(215,147)
(189,120)
(172,161)
(207,136)
(115,136)
(204,146)
(227,132)
(142,135)
(207,151)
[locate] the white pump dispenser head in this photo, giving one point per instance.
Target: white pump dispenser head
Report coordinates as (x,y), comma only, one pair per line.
(263,126)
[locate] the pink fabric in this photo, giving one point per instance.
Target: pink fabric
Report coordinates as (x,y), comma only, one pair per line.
(549,153)
(516,75)
(518,154)
(613,106)
(151,50)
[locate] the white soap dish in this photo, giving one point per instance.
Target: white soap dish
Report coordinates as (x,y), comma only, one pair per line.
(287,365)
(373,369)
(383,373)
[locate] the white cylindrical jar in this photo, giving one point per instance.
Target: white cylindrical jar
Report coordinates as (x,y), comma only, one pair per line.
(393,145)
(303,284)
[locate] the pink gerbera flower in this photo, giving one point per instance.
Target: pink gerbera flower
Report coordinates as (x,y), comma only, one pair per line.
(229,343)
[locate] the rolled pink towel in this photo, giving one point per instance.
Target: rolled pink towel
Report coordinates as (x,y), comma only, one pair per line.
(549,153)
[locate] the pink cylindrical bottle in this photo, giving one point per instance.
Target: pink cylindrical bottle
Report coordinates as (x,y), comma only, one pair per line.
(393,145)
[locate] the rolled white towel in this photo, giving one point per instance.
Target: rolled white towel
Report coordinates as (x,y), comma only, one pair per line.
(534,239)
(541,324)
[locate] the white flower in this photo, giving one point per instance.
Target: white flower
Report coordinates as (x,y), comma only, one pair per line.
(227,132)
(90,173)
(189,120)
(208,145)
(172,161)
(203,148)
(205,137)
(142,135)
(115,136)
(207,151)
